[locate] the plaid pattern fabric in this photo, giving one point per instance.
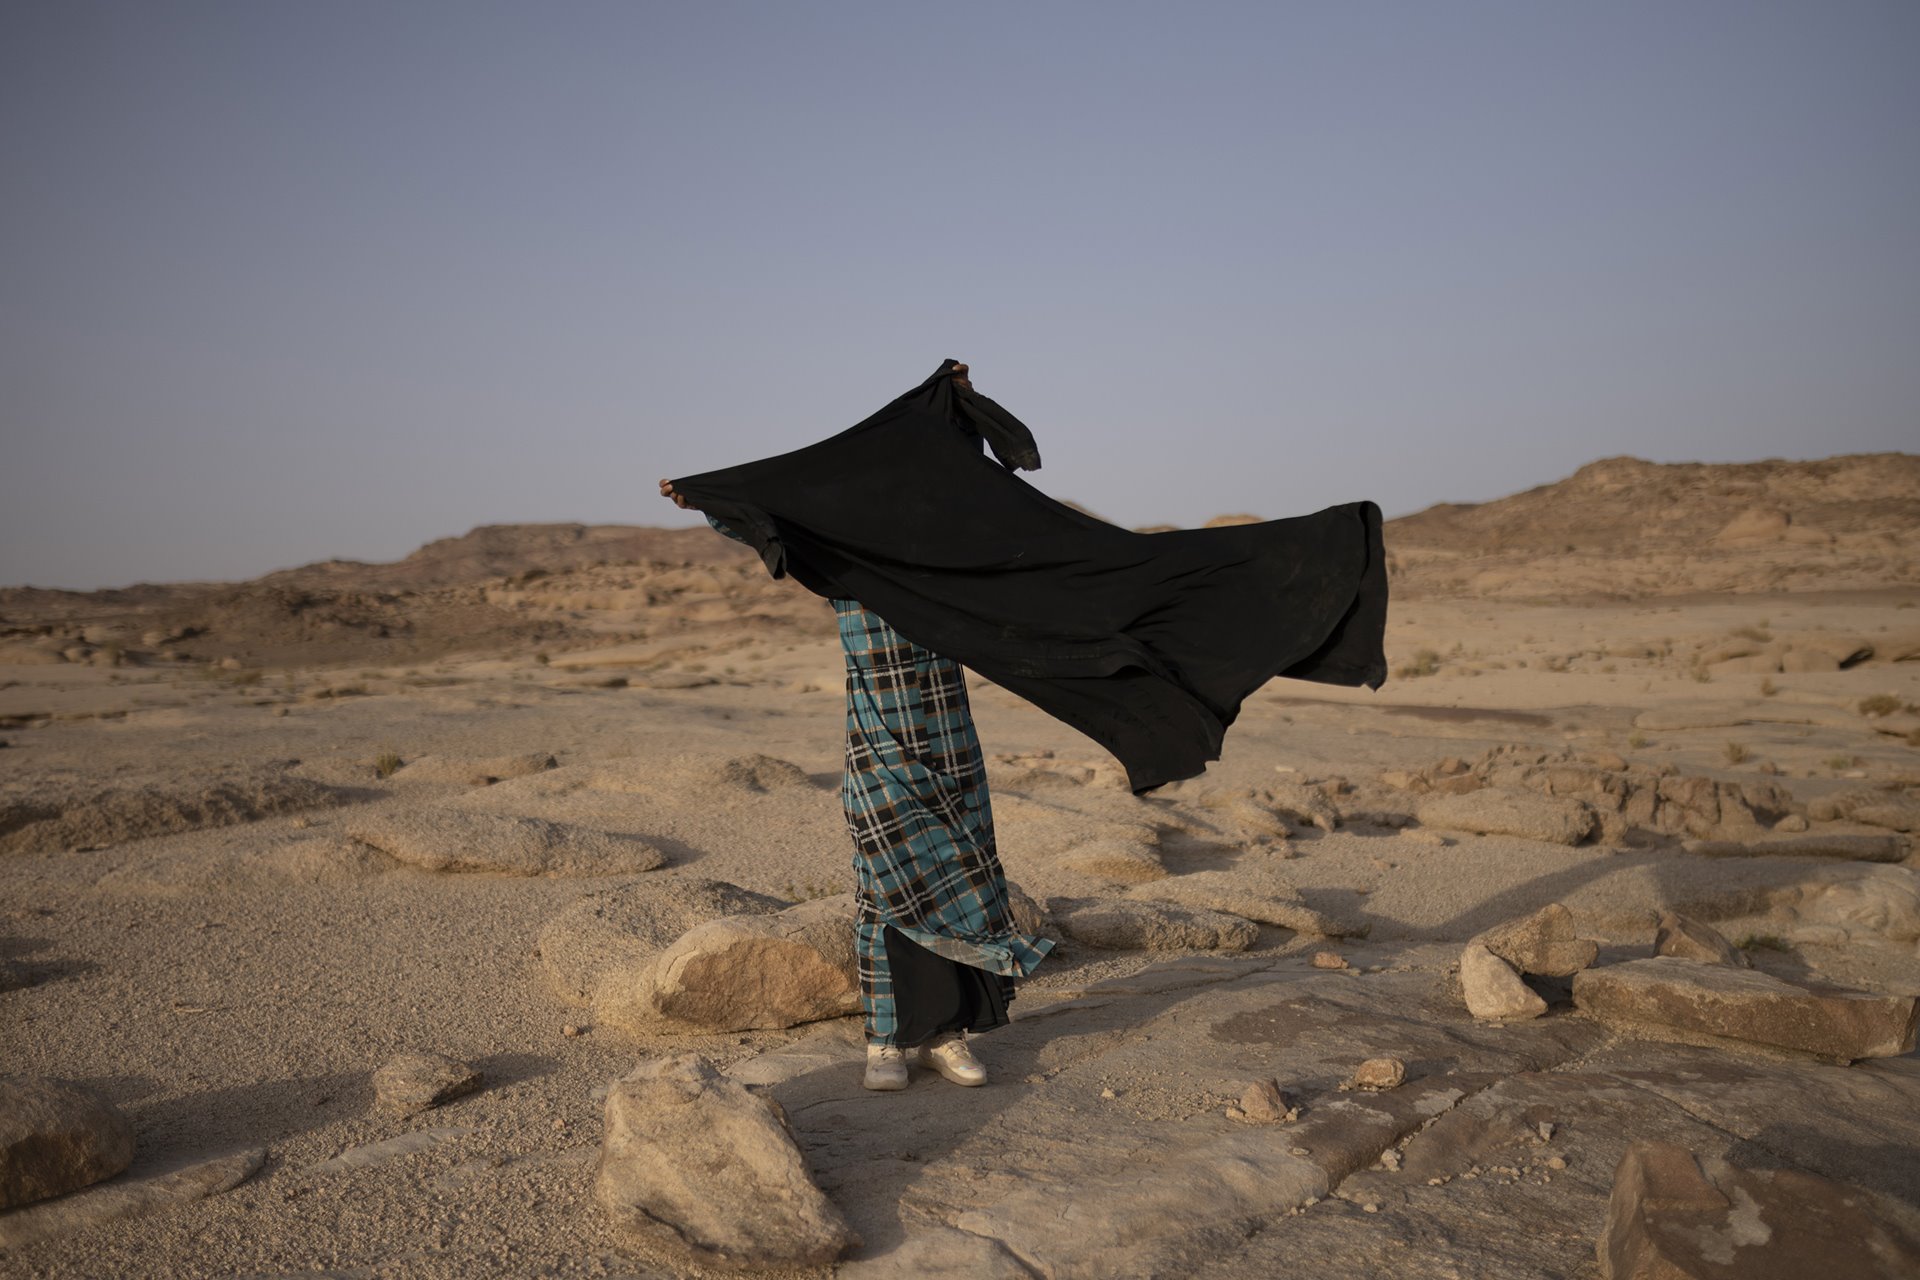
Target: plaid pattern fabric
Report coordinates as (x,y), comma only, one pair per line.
(915,796)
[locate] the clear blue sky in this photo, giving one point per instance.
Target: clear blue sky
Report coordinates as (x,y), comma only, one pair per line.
(283,281)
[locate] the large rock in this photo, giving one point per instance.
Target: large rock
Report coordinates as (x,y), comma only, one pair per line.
(1252,892)
(1543,943)
(413,1082)
(1498,811)
(444,838)
(1677,1216)
(1121,924)
(1668,997)
(615,935)
(744,972)
(1493,990)
(698,1164)
(56,1137)
(1689,939)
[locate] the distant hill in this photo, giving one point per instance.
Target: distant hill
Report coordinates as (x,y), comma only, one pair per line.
(1619,528)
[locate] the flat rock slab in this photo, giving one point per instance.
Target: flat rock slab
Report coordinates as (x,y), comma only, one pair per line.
(1502,811)
(1668,995)
(56,1137)
(374,1154)
(1855,848)
(1675,1214)
(443,838)
(102,1204)
(702,1166)
(1251,892)
(1125,924)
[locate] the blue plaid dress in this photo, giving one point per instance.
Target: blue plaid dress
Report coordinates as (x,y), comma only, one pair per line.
(915,797)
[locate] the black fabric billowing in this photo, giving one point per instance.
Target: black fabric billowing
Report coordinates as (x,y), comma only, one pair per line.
(1146,642)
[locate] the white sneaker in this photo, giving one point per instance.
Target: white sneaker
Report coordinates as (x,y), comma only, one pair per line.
(950,1056)
(886,1067)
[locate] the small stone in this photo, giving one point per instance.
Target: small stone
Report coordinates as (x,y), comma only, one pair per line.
(570,1030)
(1263,1102)
(1302,1151)
(1545,1130)
(1556,1162)
(1328,960)
(1689,939)
(558,1123)
(1108,1093)
(1379,1074)
(1369,1207)
(1390,1160)
(1792,823)
(1493,990)
(414,1082)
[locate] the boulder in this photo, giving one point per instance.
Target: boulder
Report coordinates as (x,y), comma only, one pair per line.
(1688,939)
(615,935)
(56,1137)
(1674,1215)
(744,972)
(706,1168)
(1493,990)
(1501,811)
(414,1082)
(1120,924)
(1671,998)
(445,838)
(1253,892)
(1542,943)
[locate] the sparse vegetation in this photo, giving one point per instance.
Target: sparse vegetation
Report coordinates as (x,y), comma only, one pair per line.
(1735,752)
(1765,942)
(386,764)
(1879,704)
(543,657)
(1425,663)
(1754,634)
(1702,676)
(1636,740)
(342,691)
(612,682)
(1837,763)
(1767,687)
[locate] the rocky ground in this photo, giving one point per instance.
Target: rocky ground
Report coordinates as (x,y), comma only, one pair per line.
(496,962)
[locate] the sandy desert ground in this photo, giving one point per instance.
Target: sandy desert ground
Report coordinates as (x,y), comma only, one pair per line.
(257,840)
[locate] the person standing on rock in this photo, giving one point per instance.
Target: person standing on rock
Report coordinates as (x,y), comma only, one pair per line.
(934,930)
(936,557)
